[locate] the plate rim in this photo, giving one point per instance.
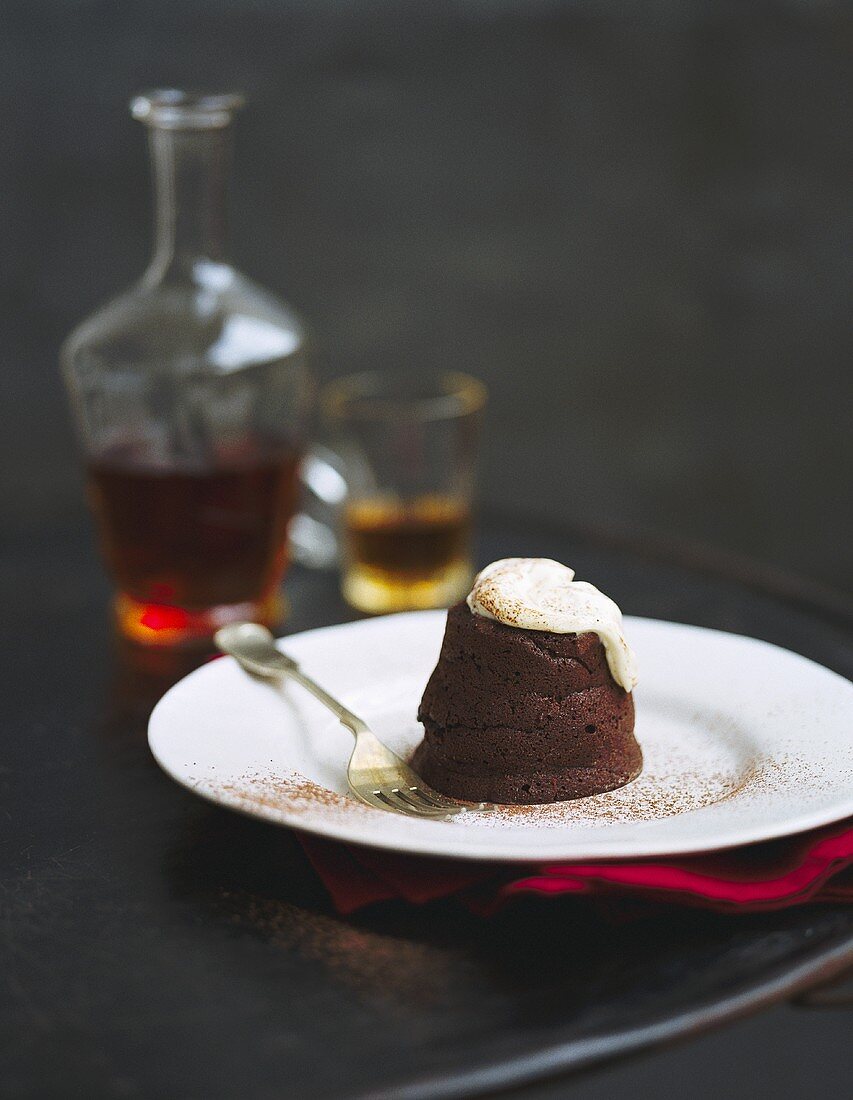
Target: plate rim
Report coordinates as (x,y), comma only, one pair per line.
(420,846)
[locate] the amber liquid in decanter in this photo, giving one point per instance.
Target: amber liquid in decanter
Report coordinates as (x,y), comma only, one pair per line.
(191,392)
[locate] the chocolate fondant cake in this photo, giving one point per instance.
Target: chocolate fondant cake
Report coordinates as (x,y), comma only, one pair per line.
(519,715)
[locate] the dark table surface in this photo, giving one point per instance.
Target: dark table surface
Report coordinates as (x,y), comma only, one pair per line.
(156,945)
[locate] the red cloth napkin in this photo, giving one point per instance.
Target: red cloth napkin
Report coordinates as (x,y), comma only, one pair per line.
(812,867)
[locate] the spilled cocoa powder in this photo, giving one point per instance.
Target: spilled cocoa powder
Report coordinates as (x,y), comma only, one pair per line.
(375,966)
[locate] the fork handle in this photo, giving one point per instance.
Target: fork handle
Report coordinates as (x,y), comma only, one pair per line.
(254,649)
(344,715)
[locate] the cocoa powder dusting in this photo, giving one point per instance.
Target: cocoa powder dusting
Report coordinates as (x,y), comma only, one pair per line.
(289,792)
(669,785)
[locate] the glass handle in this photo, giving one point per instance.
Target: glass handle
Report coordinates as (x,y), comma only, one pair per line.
(314,540)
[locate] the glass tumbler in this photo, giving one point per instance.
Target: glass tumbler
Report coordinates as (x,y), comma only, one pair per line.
(191,394)
(408,448)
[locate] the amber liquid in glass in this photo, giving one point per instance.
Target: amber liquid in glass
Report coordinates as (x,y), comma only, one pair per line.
(405,555)
(193,548)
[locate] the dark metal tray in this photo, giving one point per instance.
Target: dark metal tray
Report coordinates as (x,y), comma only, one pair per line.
(157,945)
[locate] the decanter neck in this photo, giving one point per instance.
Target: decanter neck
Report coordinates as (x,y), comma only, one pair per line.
(190,143)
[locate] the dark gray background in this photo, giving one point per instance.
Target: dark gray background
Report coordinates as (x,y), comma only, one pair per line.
(629,218)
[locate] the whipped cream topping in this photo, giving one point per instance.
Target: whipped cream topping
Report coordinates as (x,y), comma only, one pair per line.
(541,594)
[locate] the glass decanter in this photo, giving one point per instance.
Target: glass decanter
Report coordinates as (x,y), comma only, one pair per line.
(191,395)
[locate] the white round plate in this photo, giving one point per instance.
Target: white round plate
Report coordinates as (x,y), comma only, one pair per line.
(742,741)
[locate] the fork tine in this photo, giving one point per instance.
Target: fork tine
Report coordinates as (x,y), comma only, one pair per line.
(433,798)
(382,799)
(412,782)
(403,800)
(414,801)
(369,799)
(414,796)
(386,803)
(407,796)
(385,800)
(393,799)
(421,798)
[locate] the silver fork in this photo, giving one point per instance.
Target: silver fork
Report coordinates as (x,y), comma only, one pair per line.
(375,774)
